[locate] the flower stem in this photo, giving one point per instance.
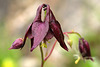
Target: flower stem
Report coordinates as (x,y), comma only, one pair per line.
(73,33)
(66,34)
(50,51)
(42,57)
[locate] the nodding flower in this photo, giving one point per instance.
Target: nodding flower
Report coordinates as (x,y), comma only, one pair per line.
(39,30)
(84,49)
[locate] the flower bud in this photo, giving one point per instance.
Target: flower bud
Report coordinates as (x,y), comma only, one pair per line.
(84,49)
(17,44)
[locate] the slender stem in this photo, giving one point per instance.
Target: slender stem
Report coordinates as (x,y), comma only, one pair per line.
(50,51)
(66,34)
(74,33)
(42,57)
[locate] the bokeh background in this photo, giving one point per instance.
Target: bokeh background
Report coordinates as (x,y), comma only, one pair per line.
(82,16)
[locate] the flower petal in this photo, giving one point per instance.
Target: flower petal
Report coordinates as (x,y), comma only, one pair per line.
(49,35)
(38,14)
(39,32)
(27,34)
(81,48)
(87,48)
(32,40)
(40,29)
(57,31)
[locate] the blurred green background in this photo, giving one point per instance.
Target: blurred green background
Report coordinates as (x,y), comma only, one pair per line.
(82,16)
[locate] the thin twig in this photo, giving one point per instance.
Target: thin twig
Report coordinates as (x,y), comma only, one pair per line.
(74,33)
(50,51)
(42,56)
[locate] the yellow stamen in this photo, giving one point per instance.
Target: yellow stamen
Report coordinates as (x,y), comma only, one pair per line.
(44,45)
(48,41)
(76,62)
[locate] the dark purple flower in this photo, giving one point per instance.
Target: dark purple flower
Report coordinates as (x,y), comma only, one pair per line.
(17,44)
(84,49)
(40,30)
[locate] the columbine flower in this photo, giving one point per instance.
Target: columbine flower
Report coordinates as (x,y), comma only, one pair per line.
(40,30)
(84,49)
